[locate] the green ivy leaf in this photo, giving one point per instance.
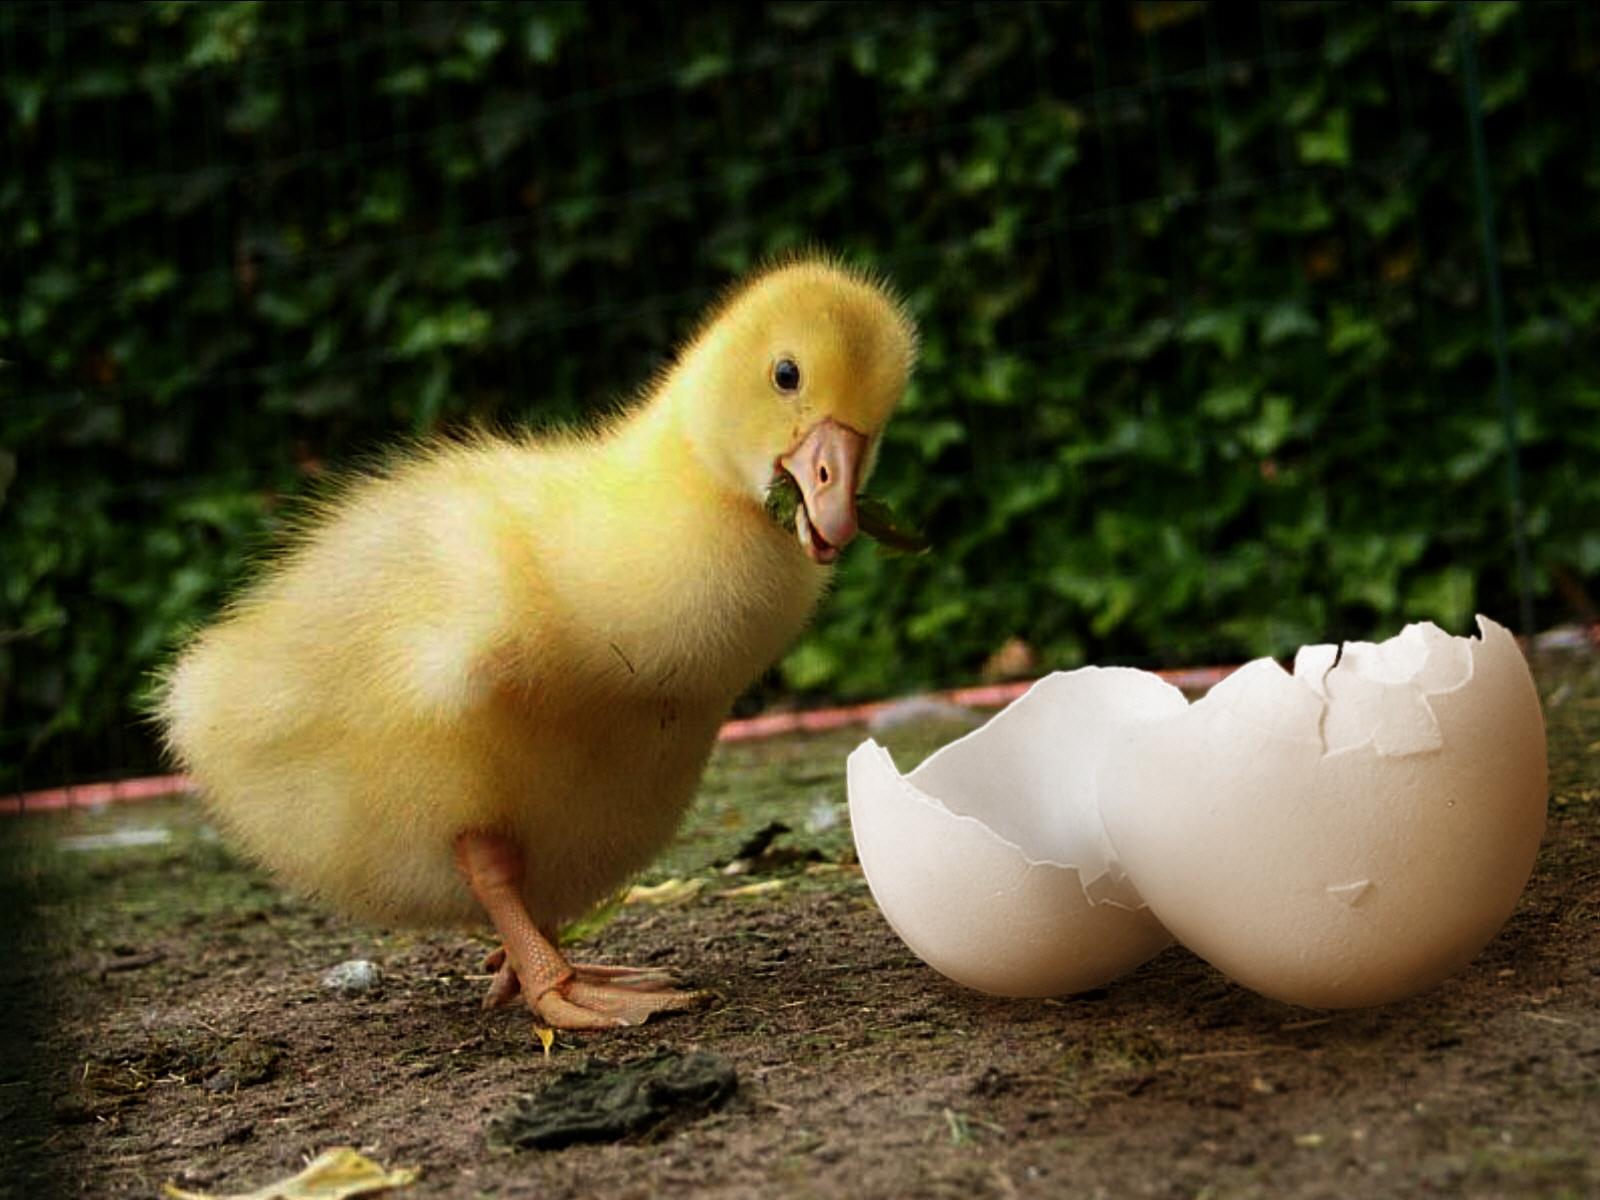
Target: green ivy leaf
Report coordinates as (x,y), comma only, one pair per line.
(1284,320)
(1222,328)
(1445,596)
(1328,143)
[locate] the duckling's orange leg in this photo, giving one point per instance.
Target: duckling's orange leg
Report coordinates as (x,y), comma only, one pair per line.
(560,994)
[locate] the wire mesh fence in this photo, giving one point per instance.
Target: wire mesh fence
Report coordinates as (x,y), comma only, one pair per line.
(1209,293)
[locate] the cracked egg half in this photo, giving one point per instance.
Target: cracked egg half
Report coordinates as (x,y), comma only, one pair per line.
(990,860)
(1345,835)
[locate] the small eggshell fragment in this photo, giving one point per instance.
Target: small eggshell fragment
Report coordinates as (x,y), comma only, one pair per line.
(989,859)
(1346,836)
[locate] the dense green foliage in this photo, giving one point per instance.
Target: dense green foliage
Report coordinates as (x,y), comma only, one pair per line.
(1207,363)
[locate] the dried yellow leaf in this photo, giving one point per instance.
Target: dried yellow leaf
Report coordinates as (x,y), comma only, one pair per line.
(547,1038)
(333,1175)
(832,868)
(753,889)
(665,895)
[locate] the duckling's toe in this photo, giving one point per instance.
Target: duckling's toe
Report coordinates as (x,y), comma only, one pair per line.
(594,996)
(504,987)
(637,979)
(577,1004)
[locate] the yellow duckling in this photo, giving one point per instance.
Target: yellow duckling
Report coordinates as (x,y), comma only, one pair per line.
(489,678)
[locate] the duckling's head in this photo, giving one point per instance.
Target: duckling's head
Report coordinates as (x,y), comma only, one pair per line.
(797,371)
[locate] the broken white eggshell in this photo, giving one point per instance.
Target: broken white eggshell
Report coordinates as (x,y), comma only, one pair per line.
(990,861)
(1350,834)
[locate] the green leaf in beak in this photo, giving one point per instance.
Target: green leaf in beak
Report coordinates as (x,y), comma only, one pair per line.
(874,518)
(893,533)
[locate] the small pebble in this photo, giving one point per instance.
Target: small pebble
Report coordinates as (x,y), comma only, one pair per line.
(1572,638)
(353,978)
(823,816)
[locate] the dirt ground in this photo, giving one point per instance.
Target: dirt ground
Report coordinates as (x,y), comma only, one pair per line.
(165,1022)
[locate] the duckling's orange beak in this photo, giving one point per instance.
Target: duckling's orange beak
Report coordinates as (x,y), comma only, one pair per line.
(826,464)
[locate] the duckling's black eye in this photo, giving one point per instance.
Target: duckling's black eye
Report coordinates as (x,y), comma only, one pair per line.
(786,375)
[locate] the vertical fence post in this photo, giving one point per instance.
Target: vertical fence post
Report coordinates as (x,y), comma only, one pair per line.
(1467,49)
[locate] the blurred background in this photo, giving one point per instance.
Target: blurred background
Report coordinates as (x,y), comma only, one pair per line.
(1246,325)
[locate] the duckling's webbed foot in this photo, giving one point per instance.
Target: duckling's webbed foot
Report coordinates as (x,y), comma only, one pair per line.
(561,994)
(580,1005)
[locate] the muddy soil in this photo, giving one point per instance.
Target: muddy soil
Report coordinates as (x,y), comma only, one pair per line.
(165,1021)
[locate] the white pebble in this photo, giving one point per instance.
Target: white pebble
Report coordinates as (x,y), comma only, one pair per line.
(824,815)
(353,978)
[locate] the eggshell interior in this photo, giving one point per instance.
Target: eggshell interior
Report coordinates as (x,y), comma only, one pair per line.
(990,859)
(1349,834)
